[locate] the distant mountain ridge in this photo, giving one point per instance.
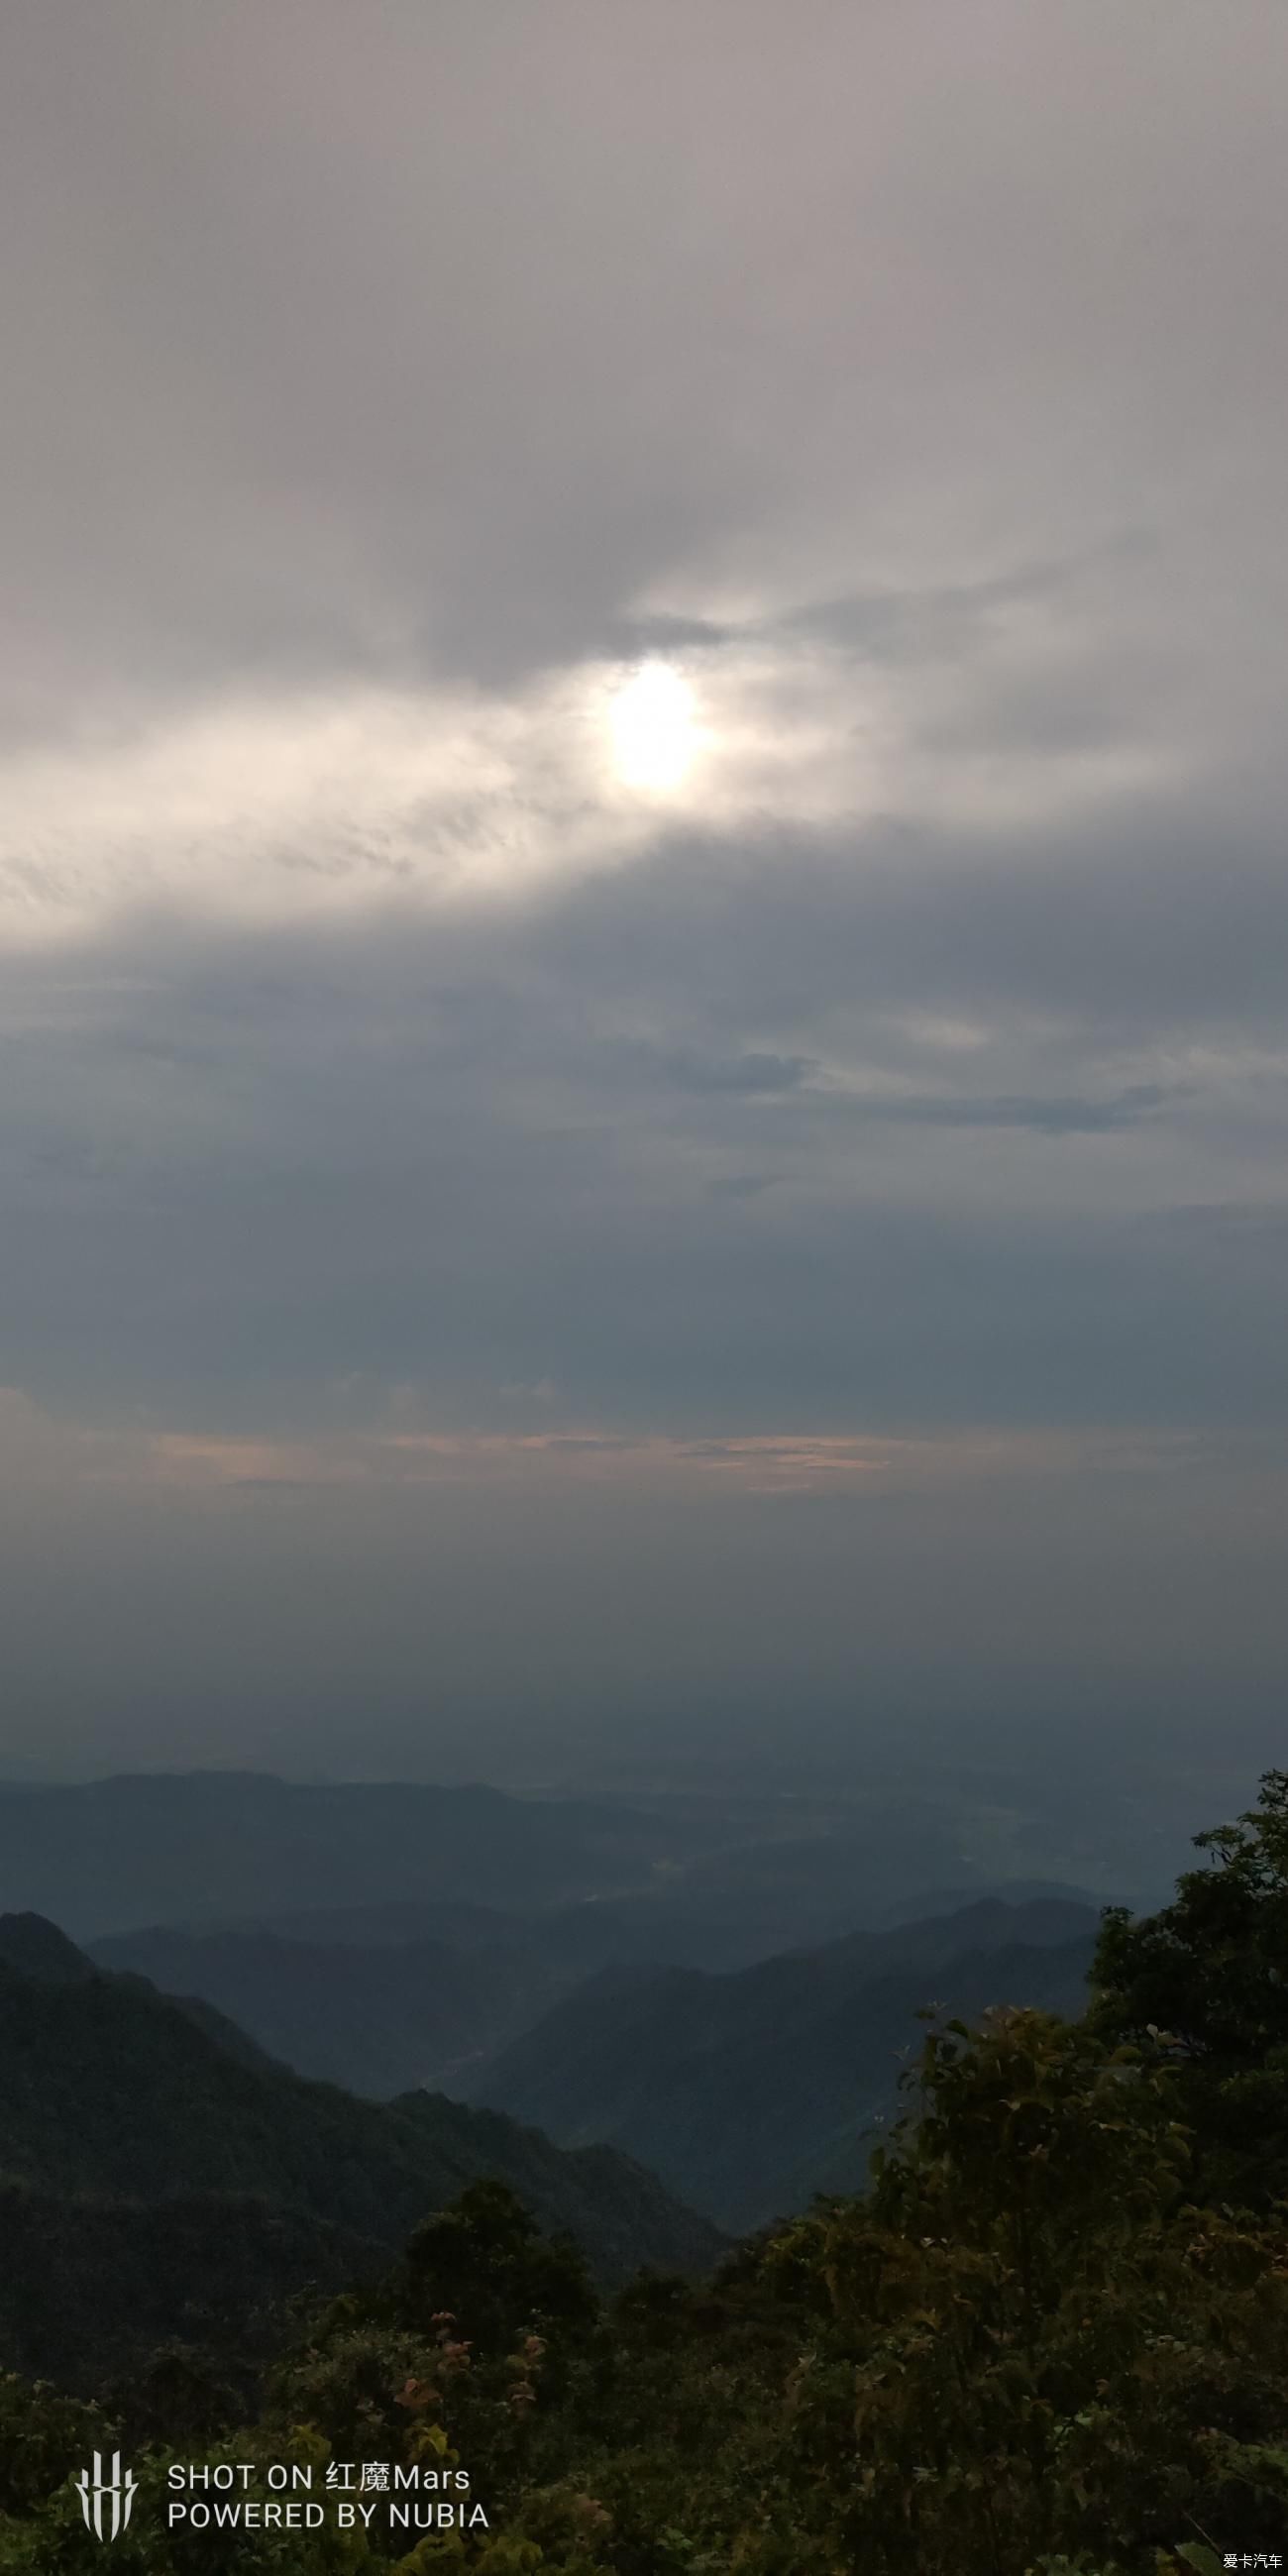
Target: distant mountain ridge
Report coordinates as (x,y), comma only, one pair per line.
(750,2092)
(112,1855)
(716,1885)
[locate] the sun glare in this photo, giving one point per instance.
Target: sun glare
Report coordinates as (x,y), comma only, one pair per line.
(653,730)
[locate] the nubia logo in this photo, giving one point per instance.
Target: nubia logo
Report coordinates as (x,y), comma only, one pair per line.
(114,2491)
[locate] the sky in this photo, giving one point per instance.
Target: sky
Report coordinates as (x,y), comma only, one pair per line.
(643,918)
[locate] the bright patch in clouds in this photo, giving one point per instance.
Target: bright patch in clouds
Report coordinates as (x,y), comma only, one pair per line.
(271,806)
(653,729)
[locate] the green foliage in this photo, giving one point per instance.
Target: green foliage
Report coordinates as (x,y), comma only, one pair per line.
(39,2432)
(1204,1983)
(1040,2345)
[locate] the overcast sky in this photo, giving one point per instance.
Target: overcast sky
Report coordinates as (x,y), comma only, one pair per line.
(643,924)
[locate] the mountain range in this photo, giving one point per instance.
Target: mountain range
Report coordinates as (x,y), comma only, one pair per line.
(711,1882)
(159,2171)
(559,2022)
(748,2093)
(302,2016)
(108,1855)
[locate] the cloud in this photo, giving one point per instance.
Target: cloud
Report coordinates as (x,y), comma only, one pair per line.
(400,1456)
(256,1177)
(411,1130)
(1050,1117)
(269,807)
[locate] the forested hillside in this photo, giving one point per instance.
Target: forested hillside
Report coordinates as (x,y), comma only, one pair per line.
(135,2136)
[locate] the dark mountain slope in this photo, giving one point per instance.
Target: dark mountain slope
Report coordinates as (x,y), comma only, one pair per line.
(747,2093)
(35,1948)
(111,2095)
(31,1947)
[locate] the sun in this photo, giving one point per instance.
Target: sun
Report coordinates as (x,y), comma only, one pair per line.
(654,734)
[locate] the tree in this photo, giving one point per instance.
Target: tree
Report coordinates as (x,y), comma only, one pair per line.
(1203,1985)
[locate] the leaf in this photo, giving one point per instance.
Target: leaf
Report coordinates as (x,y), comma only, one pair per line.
(1196,2554)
